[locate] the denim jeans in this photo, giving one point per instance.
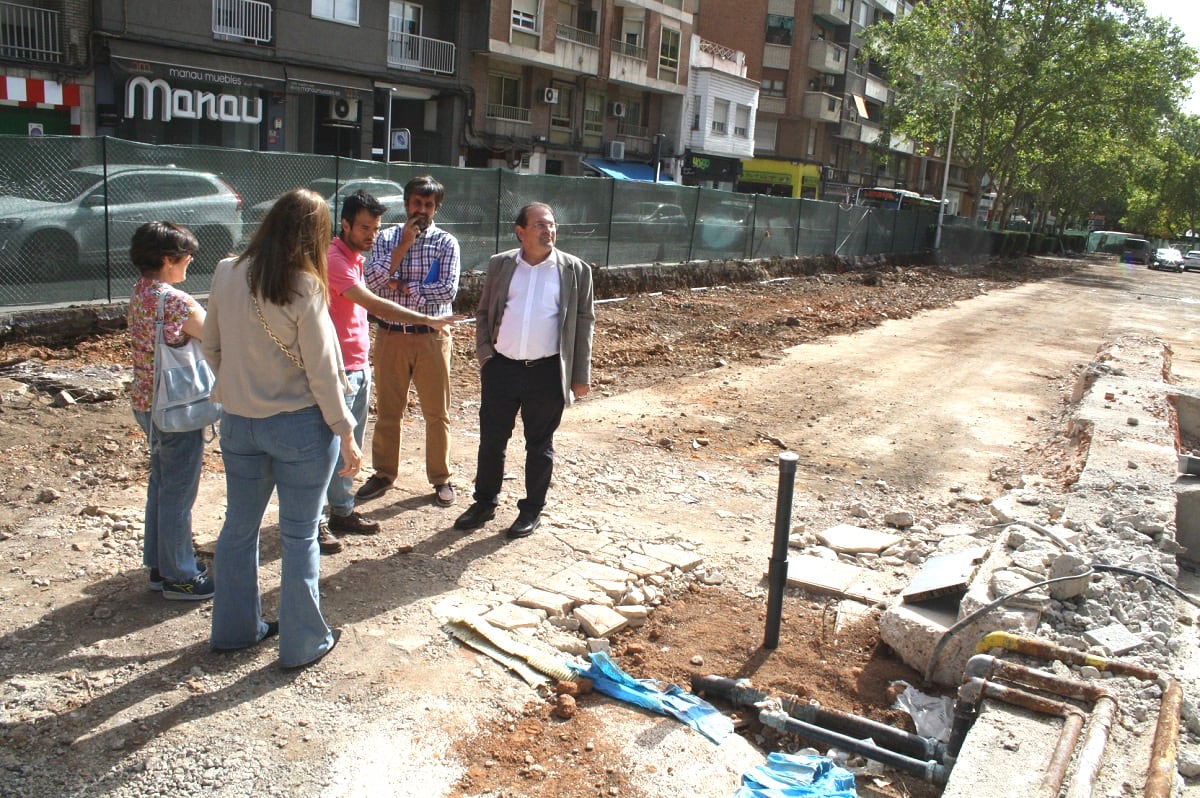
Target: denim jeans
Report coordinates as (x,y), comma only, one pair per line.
(292,453)
(339,495)
(175,461)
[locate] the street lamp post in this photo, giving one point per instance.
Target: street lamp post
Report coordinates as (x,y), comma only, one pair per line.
(658,140)
(937,239)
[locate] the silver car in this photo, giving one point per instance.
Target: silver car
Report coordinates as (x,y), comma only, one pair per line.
(63,227)
(1167,258)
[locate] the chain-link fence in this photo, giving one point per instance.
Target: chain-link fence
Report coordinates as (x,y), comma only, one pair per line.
(68,207)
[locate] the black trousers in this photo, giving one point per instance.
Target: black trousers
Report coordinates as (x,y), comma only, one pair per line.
(534,389)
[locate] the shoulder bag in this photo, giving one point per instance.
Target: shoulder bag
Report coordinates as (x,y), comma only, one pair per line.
(183,383)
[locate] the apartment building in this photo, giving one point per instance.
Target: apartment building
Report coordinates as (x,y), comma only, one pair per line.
(821,99)
(44,62)
(718,130)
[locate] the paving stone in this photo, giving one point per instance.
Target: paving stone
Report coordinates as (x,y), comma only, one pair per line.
(599,621)
(573,586)
(643,565)
(1114,637)
(594,571)
(679,558)
(944,574)
(550,603)
(636,613)
(854,539)
(830,576)
(510,616)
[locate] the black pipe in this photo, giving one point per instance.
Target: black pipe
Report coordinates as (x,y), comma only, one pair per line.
(777,568)
(930,770)
(740,693)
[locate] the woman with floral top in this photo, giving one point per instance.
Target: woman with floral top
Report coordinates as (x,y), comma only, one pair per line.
(162,251)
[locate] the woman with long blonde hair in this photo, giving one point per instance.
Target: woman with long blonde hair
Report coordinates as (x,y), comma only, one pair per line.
(280,380)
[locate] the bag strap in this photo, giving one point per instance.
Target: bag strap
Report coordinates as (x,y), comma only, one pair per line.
(159,342)
(262,320)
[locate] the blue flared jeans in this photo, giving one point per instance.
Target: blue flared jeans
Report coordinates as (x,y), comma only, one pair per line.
(293,454)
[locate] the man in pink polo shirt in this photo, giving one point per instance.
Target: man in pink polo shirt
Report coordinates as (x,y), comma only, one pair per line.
(350,304)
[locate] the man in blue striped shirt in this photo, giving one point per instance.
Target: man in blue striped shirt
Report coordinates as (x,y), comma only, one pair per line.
(416,265)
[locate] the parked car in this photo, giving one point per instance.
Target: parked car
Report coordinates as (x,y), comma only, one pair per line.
(389,192)
(651,221)
(53,229)
(1191,260)
(1137,250)
(1167,258)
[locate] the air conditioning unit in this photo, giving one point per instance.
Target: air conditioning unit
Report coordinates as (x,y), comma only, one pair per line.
(827,173)
(343,110)
(616,150)
(550,96)
(616,110)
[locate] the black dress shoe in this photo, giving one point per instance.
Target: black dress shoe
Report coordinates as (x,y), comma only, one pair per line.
(476,516)
(524,525)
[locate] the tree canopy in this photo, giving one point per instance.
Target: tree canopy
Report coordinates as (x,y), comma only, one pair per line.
(1051,96)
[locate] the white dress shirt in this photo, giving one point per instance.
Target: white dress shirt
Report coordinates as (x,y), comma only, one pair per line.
(529,327)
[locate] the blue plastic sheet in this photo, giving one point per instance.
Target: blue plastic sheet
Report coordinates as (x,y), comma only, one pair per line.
(608,678)
(797,776)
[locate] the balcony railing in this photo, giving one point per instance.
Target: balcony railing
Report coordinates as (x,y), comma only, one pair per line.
(242,20)
(29,33)
(629,50)
(509,112)
(420,53)
(630,129)
(577,35)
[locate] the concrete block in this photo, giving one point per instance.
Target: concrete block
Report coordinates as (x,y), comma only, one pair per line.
(510,616)
(636,613)
(997,755)
(1187,516)
(913,631)
(855,540)
(614,590)
(599,621)
(679,558)
(550,603)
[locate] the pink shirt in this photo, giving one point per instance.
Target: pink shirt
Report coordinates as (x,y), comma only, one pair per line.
(349,318)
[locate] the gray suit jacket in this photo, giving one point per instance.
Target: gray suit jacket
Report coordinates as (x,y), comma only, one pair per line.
(577,316)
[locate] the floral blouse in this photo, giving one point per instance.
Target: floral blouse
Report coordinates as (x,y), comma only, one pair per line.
(143,306)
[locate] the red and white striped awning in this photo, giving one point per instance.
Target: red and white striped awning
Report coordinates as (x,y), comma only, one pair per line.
(35,93)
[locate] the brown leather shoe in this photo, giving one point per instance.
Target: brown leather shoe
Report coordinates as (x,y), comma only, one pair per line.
(325,539)
(353,524)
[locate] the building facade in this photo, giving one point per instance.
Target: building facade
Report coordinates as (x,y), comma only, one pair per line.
(44,60)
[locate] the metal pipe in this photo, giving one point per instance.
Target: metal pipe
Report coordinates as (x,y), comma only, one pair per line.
(1091,753)
(1160,779)
(782,721)
(1046,650)
(740,693)
(974,689)
(777,567)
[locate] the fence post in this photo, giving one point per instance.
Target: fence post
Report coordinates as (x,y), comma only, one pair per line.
(796,232)
(612,200)
(778,564)
(107,226)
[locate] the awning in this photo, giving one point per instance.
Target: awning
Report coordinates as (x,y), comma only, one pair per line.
(174,63)
(626,170)
(861,105)
(40,93)
(307,80)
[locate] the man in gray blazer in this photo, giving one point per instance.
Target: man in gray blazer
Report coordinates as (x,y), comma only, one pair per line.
(533,340)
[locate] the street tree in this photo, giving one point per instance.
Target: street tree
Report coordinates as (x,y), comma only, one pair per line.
(1025,76)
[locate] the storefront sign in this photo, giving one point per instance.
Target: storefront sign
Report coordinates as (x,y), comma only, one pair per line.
(173,103)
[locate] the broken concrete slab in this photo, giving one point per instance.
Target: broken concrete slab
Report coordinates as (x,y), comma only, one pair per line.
(509,616)
(599,621)
(856,540)
(550,603)
(595,572)
(944,574)
(675,556)
(573,586)
(830,576)
(643,565)
(1115,637)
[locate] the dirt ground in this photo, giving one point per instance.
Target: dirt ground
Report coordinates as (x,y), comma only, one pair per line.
(82,458)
